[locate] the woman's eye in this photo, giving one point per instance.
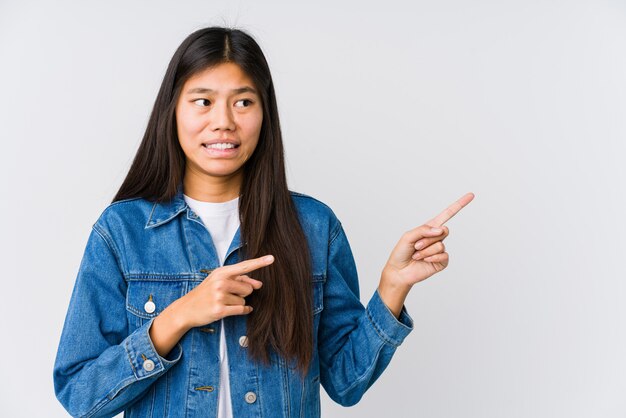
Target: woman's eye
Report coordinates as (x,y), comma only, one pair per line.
(202,102)
(244,100)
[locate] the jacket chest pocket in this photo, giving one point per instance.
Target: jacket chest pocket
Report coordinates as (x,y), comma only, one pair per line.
(145,299)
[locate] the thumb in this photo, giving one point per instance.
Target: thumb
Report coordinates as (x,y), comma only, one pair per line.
(422,231)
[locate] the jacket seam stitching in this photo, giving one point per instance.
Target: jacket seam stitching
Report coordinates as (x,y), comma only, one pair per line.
(193,334)
(187,250)
(150,216)
(97,407)
(380,332)
(104,402)
(302,398)
(173,216)
(306,196)
(117,202)
(109,242)
(334,233)
(142,276)
(364,375)
(285,377)
(130,360)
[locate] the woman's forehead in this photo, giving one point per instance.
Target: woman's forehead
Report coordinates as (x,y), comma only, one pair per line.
(223,78)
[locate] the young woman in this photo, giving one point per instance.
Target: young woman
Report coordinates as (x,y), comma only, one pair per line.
(207,288)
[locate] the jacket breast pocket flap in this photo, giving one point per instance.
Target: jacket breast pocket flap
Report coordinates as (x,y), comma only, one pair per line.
(148,298)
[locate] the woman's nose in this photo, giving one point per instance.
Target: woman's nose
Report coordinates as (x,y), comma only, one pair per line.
(222,117)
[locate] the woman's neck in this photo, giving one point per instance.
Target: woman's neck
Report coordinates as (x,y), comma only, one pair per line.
(212,189)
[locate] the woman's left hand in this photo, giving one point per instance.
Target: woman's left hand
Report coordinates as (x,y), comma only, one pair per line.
(419,254)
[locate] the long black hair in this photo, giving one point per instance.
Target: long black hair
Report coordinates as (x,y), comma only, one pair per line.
(282,318)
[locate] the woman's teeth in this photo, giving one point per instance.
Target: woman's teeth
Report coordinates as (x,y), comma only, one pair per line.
(219,146)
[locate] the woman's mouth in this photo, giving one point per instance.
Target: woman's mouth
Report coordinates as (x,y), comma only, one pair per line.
(220,145)
(221,149)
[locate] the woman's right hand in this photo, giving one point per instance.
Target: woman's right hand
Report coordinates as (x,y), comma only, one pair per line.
(220,294)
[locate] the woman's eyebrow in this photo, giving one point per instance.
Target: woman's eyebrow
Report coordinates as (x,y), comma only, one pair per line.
(239,90)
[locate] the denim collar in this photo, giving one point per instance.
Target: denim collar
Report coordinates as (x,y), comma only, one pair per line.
(163,212)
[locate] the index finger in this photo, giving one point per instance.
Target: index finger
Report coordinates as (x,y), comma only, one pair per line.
(451,210)
(248,265)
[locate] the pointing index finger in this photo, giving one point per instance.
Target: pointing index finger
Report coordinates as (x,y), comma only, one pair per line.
(248,265)
(451,210)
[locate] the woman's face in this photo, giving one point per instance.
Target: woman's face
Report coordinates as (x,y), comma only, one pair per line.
(218,116)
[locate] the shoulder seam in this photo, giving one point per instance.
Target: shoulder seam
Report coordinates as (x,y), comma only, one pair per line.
(130,199)
(306,196)
(334,233)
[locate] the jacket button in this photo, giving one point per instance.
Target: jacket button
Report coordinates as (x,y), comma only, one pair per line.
(243,341)
(149,307)
(251,397)
(148,365)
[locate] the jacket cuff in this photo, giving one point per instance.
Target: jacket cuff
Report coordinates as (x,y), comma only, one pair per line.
(143,357)
(392,330)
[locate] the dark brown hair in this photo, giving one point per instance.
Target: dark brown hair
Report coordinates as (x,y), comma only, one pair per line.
(282,318)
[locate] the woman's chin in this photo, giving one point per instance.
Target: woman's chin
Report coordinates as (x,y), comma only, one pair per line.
(222,171)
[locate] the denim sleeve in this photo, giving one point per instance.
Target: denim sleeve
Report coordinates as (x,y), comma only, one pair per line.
(356,343)
(100,369)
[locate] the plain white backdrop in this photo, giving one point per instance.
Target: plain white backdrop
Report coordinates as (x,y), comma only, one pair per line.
(390,111)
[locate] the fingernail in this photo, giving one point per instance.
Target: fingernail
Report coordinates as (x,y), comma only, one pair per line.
(436,230)
(268,258)
(419,245)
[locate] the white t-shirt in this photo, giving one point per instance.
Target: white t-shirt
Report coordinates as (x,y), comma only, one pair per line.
(222,221)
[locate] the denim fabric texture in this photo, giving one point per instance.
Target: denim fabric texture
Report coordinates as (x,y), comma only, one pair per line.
(141,256)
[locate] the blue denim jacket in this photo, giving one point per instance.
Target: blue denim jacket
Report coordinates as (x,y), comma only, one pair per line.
(141,256)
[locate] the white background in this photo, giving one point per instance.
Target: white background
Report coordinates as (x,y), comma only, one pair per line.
(390,111)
